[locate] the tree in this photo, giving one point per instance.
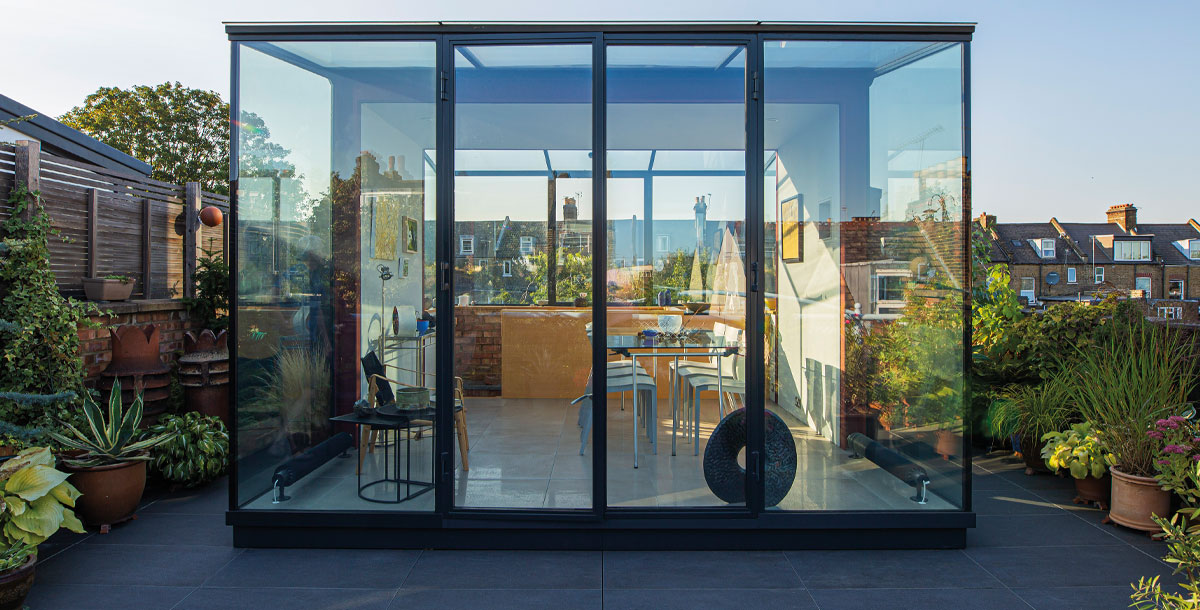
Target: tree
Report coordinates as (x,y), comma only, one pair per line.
(183,133)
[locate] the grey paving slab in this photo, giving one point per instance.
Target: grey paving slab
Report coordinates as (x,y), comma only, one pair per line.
(290,598)
(104,597)
(1070,566)
(1077,598)
(888,569)
(698,569)
(918,599)
(169,528)
(317,568)
(709,599)
(506,570)
(211,499)
(1036,531)
(135,564)
(498,599)
(1012,501)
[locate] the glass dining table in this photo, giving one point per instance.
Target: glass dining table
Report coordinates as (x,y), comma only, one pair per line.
(654,345)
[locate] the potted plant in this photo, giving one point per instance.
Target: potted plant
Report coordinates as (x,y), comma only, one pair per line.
(1028,413)
(1079,452)
(112,287)
(1136,376)
(108,464)
(35,501)
(196,450)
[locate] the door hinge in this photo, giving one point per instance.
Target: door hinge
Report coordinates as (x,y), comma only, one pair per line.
(755,85)
(443,84)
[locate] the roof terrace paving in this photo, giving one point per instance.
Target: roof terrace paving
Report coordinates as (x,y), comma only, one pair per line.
(1032,548)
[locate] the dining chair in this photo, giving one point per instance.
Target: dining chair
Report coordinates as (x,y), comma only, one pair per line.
(624,381)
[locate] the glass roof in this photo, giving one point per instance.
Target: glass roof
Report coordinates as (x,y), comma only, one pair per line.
(523,56)
(360,53)
(676,56)
(845,55)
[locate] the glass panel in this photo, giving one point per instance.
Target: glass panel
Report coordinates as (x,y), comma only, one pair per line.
(523,286)
(676,236)
(865,267)
(335,226)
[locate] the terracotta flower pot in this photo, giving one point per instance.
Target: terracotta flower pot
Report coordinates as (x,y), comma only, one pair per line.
(1031,454)
(948,444)
(110,493)
(1135,499)
(15,584)
(1091,490)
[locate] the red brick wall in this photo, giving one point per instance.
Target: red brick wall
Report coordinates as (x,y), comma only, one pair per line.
(170,316)
(477,349)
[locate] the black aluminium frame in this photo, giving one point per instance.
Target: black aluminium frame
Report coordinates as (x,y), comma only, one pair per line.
(748,527)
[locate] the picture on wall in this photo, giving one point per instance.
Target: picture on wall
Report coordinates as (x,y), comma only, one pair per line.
(386,227)
(412,238)
(791,236)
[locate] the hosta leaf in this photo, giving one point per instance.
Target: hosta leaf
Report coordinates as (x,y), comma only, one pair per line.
(72,522)
(65,493)
(14,505)
(1078,470)
(42,518)
(33,482)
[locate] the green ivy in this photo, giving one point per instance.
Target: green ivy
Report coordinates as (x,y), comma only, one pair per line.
(39,341)
(197,451)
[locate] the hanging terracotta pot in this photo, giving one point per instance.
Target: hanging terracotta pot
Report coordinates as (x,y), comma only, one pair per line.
(1135,499)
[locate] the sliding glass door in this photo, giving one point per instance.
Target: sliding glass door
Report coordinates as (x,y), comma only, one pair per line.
(522,263)
(676,274)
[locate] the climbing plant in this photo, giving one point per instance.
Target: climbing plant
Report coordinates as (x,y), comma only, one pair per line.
(41,374)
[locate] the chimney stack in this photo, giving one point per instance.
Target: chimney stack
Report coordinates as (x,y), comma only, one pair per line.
(987,221)
(570,210)
(1124,215)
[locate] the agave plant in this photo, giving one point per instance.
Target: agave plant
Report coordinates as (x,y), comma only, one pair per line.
(113,437)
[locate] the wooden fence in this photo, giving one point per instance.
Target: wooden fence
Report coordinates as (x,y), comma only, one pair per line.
(114,222)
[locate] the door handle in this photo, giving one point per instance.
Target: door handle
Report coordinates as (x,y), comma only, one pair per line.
(445,281)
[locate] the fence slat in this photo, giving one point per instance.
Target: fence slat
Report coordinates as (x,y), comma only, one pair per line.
(93,197)
(146,241)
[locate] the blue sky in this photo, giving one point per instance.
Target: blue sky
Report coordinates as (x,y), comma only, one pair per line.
(1076,105)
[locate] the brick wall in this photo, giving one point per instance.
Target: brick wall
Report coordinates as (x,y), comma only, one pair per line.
(1120,276)
(477,349)
(169,315)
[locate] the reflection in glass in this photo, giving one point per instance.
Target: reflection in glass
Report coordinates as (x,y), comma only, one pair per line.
(334,210)
(523,272)
(676,226)
(865,270)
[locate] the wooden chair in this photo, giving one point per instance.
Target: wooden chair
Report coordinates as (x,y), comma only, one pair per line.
(379,392)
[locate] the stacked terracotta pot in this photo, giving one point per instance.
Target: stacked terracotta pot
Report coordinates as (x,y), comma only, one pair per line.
(204,373)
(136,364)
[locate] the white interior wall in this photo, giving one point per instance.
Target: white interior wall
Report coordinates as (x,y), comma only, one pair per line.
(810,316)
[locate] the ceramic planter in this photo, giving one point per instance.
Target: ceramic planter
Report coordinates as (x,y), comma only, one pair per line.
(1092,490)
(1031,454)
(1135,499)
(15,584)
(110,493)
(101,289)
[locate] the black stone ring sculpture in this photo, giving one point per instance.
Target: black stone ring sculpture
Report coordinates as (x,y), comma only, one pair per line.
(727,479)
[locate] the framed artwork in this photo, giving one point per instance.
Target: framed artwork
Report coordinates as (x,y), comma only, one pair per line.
(386,227)
(791,235)
(412,239)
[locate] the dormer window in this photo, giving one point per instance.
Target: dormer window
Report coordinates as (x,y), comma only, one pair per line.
(1129,250)
(1047,248)
(1194,249)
